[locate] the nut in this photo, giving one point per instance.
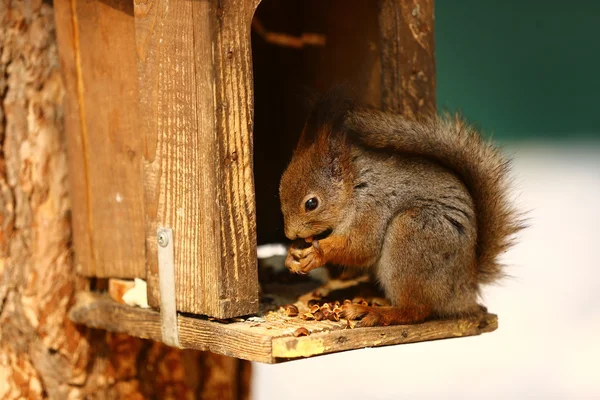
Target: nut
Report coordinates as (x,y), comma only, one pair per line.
(301,332)
(314,308)
(336,304)
(319,316)
(333,317)
(364,303)
(337,310)
(347,301)
(325,306)
(290,310)
(307,316)
(312,302)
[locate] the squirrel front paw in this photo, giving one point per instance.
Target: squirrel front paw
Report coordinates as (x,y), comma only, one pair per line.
(301,258)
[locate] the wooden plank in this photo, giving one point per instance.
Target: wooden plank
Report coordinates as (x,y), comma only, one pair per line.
(81,222)
(408,61)
(350,339)
(97,47)
(100,311)
(195,77)
(269,337)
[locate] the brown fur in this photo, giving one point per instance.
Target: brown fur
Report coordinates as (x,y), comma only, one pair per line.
(384,316)
(456,145)
(423,205)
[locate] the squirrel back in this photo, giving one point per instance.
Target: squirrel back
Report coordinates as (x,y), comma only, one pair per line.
(458,147)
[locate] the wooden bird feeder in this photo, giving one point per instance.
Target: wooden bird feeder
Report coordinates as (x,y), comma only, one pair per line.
(180,118)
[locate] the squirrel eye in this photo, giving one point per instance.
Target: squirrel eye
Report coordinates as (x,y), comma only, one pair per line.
(311,204)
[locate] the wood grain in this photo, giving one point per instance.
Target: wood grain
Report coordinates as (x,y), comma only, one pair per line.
(407,52)
(97,45)
(269,341)
(350,339)
(78,168)
(195,79)
(100,311)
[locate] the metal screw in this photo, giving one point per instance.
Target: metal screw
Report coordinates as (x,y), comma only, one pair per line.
(163,239)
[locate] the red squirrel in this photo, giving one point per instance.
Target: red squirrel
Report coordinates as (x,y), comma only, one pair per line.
(422,205)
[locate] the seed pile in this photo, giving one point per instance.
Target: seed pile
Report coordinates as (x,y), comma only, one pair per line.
(321,310)
(326,311)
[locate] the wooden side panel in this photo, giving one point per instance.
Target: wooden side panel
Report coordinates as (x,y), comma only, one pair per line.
(78,175)
(195,82)
(235,107)
(99,70)
(166,73)
(407,51)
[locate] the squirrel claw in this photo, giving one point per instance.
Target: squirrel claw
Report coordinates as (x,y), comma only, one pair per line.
(383,316)
(300,254)
(303,260)
(369,316)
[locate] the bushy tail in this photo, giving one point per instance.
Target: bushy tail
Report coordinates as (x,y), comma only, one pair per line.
(454,144)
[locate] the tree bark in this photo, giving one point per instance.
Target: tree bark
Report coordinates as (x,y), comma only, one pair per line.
(42,353)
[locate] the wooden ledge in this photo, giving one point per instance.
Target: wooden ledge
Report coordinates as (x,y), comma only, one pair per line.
(268,338)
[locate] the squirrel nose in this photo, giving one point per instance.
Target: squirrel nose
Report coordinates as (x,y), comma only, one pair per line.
(291,233)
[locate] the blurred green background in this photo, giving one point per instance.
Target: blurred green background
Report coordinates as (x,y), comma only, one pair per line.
(521,69)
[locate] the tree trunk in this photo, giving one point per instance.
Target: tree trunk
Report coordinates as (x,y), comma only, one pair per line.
(43,354)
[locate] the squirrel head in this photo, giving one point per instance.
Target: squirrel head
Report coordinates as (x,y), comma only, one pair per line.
(314,189)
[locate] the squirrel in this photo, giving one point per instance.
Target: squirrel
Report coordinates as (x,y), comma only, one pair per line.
(423,205)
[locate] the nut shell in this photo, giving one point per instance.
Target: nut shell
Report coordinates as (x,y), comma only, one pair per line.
(290,310)
(301,332)
(307,316)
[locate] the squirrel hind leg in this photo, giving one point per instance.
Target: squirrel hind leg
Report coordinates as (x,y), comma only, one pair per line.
(384,316)
(426,263)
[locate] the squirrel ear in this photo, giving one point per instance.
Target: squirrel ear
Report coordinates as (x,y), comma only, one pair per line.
(327,116)
(337,151)
(335,167)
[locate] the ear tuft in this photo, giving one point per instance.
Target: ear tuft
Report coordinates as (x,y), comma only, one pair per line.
(326,120)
